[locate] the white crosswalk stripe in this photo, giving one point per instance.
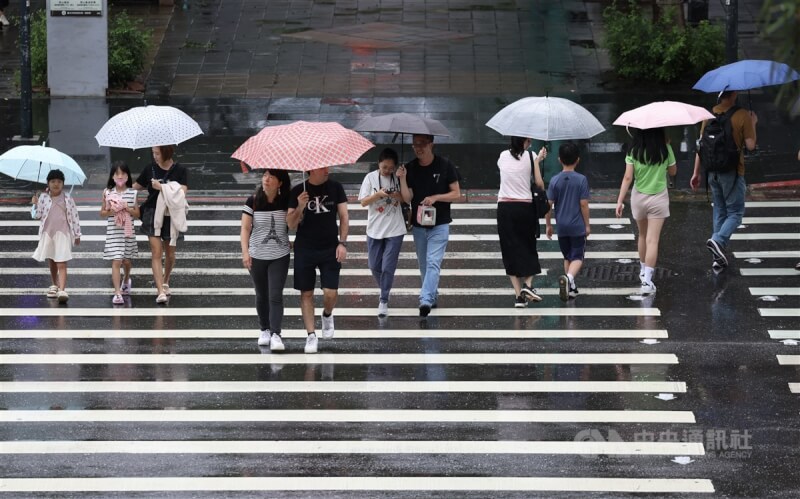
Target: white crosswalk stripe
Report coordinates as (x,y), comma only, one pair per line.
(478,379)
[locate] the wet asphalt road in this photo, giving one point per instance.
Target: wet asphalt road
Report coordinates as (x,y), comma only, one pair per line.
(248,414)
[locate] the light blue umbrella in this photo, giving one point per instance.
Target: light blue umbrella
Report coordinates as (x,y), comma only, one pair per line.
(746,75)
(33,163)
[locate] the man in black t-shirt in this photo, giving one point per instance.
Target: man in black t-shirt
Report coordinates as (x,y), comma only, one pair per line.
(313,208)
(429,180)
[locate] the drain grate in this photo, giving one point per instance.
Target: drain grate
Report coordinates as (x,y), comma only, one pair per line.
(620,273)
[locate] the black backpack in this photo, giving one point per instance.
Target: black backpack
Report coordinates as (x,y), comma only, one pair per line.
(717,148)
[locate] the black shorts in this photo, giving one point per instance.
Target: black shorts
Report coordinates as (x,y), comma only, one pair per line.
(148,228)
(306,263)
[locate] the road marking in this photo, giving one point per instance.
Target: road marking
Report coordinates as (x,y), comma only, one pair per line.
(340,312)
(771,204)
(763,236)
(789,360)
(343,358)
(355,255)
(351,238)
(351,447)
(784,334)
(340,333)
(342,386)
(779,312)
(347,416)
(771,291)
(770,220)
(794,387)
(198,271)
(366,291)
(768,272)
(458,222)
(359,483)
(765,254)
(350,206)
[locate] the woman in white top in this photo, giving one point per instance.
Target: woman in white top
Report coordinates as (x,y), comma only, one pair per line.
(516,217)
(380,192)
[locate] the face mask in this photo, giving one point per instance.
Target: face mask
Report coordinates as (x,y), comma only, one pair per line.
(120,181)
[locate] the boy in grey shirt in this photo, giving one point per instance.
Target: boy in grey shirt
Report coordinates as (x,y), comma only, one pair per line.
(568,194)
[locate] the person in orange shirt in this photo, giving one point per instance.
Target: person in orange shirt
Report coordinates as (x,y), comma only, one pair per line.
(728,189)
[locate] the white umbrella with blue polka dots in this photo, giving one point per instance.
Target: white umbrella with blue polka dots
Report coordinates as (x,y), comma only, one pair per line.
(148,126)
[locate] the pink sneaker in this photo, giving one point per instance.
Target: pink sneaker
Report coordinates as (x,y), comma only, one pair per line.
(117,300)
(127,286)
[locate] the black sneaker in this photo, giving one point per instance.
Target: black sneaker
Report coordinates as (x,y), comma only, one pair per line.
(521,302)
(717,251)
(424,310)
(573,292)
(529,293)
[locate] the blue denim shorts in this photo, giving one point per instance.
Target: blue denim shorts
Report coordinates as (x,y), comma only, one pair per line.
(572,247)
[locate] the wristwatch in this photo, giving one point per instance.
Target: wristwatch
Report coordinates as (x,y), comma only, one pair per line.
(343,243)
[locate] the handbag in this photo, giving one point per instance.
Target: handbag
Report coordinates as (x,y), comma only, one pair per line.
(539,197)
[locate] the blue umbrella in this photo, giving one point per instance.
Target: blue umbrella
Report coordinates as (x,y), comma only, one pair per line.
(746,75)
(33,163)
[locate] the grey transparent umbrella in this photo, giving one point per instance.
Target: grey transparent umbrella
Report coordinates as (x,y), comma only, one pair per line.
(545,118)
(402,123)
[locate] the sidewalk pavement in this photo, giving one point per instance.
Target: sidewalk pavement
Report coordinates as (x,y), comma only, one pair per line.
(239,65)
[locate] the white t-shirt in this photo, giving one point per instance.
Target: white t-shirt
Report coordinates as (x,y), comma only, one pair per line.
(515,176)
(385,216)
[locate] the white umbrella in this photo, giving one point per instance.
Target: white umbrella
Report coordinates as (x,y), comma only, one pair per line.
(33,163)
(545,118)
(148,126)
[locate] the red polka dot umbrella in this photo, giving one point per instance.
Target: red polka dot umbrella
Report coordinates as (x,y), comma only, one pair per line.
(303,146)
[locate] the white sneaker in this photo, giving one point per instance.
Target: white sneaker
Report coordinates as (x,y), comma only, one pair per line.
(263,340)
(127,286)
(4,20)
(327,326)
(383,308)
(648,288)
(276,343)
(62,296)
(52,291)
(311,343)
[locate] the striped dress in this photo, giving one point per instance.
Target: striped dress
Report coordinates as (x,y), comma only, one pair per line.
(119,247)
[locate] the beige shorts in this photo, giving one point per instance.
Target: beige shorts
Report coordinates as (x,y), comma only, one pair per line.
(649,205)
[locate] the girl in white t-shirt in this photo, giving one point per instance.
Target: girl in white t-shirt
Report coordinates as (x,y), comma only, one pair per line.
(380,192)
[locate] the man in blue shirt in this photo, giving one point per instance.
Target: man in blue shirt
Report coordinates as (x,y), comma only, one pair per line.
(568,194)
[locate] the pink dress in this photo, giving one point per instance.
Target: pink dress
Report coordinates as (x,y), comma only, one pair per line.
(55,239)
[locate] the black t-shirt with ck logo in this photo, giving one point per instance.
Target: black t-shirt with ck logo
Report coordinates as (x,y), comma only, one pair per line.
(318,229)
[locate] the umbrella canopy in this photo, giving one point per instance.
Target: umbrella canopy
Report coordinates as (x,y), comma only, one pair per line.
(745,75)
(148,126)
(402,123)
(33,163)
(545,118)
(302,146)
(661,114)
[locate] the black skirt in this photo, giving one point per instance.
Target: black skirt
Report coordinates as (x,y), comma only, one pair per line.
(516,224)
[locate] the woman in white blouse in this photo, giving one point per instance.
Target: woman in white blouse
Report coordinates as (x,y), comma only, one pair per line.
(516,217)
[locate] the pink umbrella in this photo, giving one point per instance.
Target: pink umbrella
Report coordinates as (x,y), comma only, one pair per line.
(303,146)
(661,114)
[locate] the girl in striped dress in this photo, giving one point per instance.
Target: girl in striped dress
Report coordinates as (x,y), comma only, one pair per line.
(120,207)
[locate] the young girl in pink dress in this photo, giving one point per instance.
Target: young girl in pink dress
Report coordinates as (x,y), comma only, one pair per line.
(60,228)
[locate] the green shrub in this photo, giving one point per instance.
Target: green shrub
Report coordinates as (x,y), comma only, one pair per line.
(128,46)
(39,49)
(662,51)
